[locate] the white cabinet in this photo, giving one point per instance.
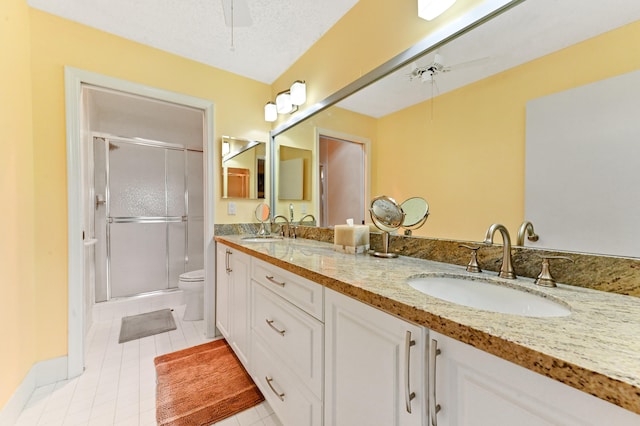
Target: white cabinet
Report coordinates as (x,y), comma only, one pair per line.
(301,292)
(232,298)
(374,364)
(287,343)
(473,387)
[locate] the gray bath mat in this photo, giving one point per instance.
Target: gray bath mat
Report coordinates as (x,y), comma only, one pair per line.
(143,325)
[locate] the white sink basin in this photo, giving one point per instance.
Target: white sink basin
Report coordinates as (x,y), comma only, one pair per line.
(488,297)
(266,239)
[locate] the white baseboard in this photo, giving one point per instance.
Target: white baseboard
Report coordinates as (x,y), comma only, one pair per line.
(41,374)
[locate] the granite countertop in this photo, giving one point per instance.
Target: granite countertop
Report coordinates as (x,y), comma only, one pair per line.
(596,349)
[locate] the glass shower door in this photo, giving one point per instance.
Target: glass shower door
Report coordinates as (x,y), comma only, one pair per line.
(145,217)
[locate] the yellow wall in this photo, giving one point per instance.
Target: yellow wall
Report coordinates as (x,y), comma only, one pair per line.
(35,48)
(371,33)
(16,198)
(464,151)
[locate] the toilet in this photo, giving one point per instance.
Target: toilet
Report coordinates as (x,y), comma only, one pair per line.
(192,286)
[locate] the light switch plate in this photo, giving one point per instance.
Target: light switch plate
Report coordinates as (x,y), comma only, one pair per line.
(231,208)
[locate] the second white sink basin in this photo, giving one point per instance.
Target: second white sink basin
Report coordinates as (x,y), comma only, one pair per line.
(265,239)
(488,297)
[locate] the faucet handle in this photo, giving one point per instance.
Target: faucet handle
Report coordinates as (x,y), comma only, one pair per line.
(544,278)
(472,266)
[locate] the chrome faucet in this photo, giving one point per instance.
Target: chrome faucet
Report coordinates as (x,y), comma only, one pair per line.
(273,221)
(309,216)
(290,212)
(526,229)
(506,270)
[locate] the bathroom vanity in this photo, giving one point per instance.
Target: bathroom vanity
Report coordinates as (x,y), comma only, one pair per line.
(342,339)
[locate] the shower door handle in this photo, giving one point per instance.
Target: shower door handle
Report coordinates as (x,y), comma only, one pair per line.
(100,200)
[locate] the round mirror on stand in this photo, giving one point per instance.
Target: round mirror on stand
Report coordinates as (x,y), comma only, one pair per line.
(262,214)
(416,211)
(388,216)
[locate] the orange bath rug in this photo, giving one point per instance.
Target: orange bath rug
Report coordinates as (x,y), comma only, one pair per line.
(202,385)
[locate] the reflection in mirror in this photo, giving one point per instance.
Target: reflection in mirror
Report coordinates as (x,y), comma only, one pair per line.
(243,168)
(466,133)
(294,180)
(388,216)
(416,212)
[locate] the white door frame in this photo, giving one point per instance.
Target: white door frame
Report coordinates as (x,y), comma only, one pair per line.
(74,78)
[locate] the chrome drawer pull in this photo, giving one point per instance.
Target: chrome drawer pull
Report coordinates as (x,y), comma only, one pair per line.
(279,395)
(270,322)
(433,406)
(226,259)
(408,395)
(270,278)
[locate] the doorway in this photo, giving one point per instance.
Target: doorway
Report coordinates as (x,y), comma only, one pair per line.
(343,179)
(80,243)
(147,215)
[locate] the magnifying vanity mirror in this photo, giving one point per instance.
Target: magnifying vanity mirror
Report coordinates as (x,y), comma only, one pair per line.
(243,168)
(416,211)
(451,114)
(263,212)
(387,216)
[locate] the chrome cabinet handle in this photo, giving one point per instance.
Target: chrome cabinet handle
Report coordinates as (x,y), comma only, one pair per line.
(270,278)
(408,395)
(226,259)
(434,408)
(270,322)
(278,394)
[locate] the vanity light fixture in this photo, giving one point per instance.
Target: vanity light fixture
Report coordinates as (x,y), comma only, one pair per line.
(270,112)
(287,101)
(431,9)
(283,102)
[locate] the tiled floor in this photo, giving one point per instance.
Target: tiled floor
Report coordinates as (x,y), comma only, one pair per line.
(118,385)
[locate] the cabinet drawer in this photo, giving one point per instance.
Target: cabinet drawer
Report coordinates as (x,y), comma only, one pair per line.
(291,335)
(292,403)
(303,293)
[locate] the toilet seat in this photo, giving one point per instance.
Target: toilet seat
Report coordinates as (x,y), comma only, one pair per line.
(192,276)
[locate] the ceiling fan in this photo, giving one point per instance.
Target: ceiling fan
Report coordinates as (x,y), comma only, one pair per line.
(427,73)
(236,14)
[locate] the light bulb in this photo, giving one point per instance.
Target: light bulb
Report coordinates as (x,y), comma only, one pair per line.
(283,103)
(270,112)
(298,92)
(431,9)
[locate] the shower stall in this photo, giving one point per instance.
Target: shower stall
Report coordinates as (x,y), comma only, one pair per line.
(148,215)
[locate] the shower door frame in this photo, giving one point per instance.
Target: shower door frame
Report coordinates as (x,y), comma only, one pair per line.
(109,219)
(74,80)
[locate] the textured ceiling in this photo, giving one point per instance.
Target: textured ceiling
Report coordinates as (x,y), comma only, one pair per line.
(279,33)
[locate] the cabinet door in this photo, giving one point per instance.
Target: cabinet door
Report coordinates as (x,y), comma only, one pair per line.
(223,254)
(374,371)
(232,298)
(473,387)
(239,304)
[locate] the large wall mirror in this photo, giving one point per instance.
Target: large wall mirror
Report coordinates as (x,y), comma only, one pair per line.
(449,124)
(243,168)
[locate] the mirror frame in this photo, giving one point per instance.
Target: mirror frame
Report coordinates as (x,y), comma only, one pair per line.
(247,144)
(472,19)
